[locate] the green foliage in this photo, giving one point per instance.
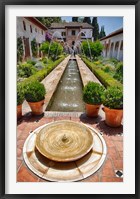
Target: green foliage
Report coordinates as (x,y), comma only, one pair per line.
(47,21)
(26,70)
(119,72)
(95,28)
(95,48)
(92,93)
(106,69)
(102,32)
(20,94)
(75,19)
(19,49)
(104,77)
(53,49)
(35,92)
(113,98)
(32,62)
(34,47)
(87,20)
(40,75)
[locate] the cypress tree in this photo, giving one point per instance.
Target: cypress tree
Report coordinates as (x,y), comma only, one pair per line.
(75,19)
(95,28)
(87,20)
(102,33)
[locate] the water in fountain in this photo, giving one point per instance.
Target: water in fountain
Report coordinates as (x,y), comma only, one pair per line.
(77,43)
(56,32)
(86,40)
(68,96)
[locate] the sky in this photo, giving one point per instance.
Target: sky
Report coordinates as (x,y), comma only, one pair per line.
(110,24)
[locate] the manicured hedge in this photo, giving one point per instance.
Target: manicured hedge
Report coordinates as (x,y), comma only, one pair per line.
(40,75)
(104,78)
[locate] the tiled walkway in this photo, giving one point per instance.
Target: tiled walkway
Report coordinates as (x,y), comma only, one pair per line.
(113,136)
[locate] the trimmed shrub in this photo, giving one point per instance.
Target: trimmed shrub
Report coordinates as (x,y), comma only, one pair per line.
(92,93)
(35,92)
(113,97)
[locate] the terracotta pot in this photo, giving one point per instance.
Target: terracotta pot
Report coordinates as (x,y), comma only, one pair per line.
(113,117)
(92,110)
(36,107)
(19,111)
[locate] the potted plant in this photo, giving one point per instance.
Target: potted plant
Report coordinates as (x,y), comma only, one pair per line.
(92,96)
(35,95)
(20,99)
(113,106)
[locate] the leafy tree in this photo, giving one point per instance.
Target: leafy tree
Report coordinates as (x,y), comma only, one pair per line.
(95,28)
(87,20)
(47,21)
(102,33)
(52,49)
(95,48)
(75,19)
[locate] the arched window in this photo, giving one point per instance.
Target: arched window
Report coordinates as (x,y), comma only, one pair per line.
(116,45)
(24,25)
(30,28)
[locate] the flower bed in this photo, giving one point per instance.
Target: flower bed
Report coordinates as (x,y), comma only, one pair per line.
(40,75)
(105,78)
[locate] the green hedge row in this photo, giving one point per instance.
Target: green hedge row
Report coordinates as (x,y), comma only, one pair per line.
(40,75)
(104,77)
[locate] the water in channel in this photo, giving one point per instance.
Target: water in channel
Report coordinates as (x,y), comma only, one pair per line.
(68,96)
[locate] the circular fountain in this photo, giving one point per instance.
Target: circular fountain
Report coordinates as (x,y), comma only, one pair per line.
(64,151)
(64,141)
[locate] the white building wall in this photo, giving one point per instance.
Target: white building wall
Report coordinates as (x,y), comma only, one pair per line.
(87,32)
(40,38)
(115,52)
(57,32)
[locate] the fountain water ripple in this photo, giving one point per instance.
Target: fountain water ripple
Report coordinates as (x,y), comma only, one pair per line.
(68,96)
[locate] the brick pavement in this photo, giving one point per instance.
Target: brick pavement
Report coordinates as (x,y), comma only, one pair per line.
(113,138)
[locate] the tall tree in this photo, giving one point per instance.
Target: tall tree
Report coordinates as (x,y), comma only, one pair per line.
(87,20)
(95,28)
(75,19)
(102,32)
(47,21)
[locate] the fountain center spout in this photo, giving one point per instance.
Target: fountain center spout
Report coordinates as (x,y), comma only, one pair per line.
(64,138)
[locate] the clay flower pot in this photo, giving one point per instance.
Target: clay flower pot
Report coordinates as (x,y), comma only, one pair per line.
(92,110)
(113,117)
(19,111)
(37,107)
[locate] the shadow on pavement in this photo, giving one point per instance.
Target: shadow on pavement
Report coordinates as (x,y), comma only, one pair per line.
(109,130)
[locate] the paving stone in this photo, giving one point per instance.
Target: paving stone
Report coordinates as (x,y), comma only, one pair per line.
(111,179)
(24,175)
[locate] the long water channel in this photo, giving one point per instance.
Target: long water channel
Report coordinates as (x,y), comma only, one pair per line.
(68,95)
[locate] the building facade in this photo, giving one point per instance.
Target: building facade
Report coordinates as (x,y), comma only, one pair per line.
(30,29)
(71,33)
(113,45)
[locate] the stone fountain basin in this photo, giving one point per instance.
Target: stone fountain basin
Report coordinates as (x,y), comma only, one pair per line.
(64,141)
